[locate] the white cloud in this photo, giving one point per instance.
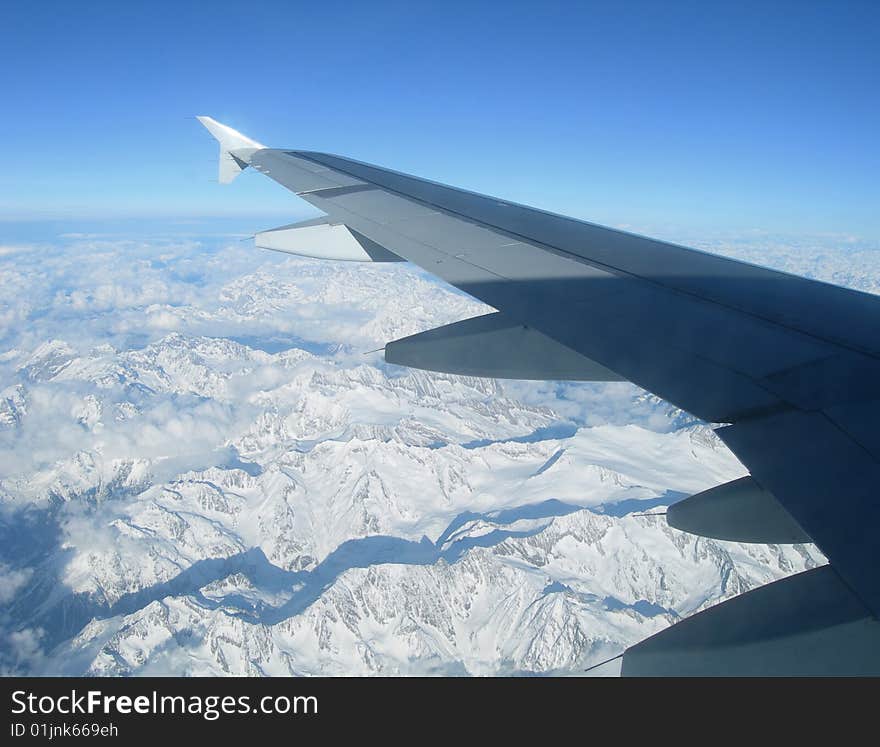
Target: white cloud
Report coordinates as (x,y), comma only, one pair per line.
(163,319)
(11,581)
(8,250)
(21,652)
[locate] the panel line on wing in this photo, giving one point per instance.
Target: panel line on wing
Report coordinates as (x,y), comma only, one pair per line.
(339,191)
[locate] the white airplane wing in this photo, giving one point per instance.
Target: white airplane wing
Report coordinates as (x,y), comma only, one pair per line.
(790,366)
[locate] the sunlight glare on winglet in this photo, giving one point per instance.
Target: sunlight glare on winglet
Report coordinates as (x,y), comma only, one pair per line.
(235,149)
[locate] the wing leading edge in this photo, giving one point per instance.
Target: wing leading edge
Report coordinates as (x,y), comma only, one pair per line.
(788,364)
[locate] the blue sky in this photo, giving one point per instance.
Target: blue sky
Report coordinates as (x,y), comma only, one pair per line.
(679,117)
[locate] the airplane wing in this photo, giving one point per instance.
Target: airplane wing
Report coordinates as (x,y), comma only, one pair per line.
(788,366)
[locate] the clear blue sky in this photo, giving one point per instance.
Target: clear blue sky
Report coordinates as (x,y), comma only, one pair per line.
(696,116)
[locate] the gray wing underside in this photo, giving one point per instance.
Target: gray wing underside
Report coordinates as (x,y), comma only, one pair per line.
(790,366)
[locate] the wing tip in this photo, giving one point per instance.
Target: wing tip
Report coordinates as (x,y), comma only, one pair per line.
(235,148)
(228,138)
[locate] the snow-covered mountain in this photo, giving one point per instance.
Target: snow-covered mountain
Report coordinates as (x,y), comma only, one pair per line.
(203,470)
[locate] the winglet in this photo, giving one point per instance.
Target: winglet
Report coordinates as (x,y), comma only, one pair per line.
(235,149)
